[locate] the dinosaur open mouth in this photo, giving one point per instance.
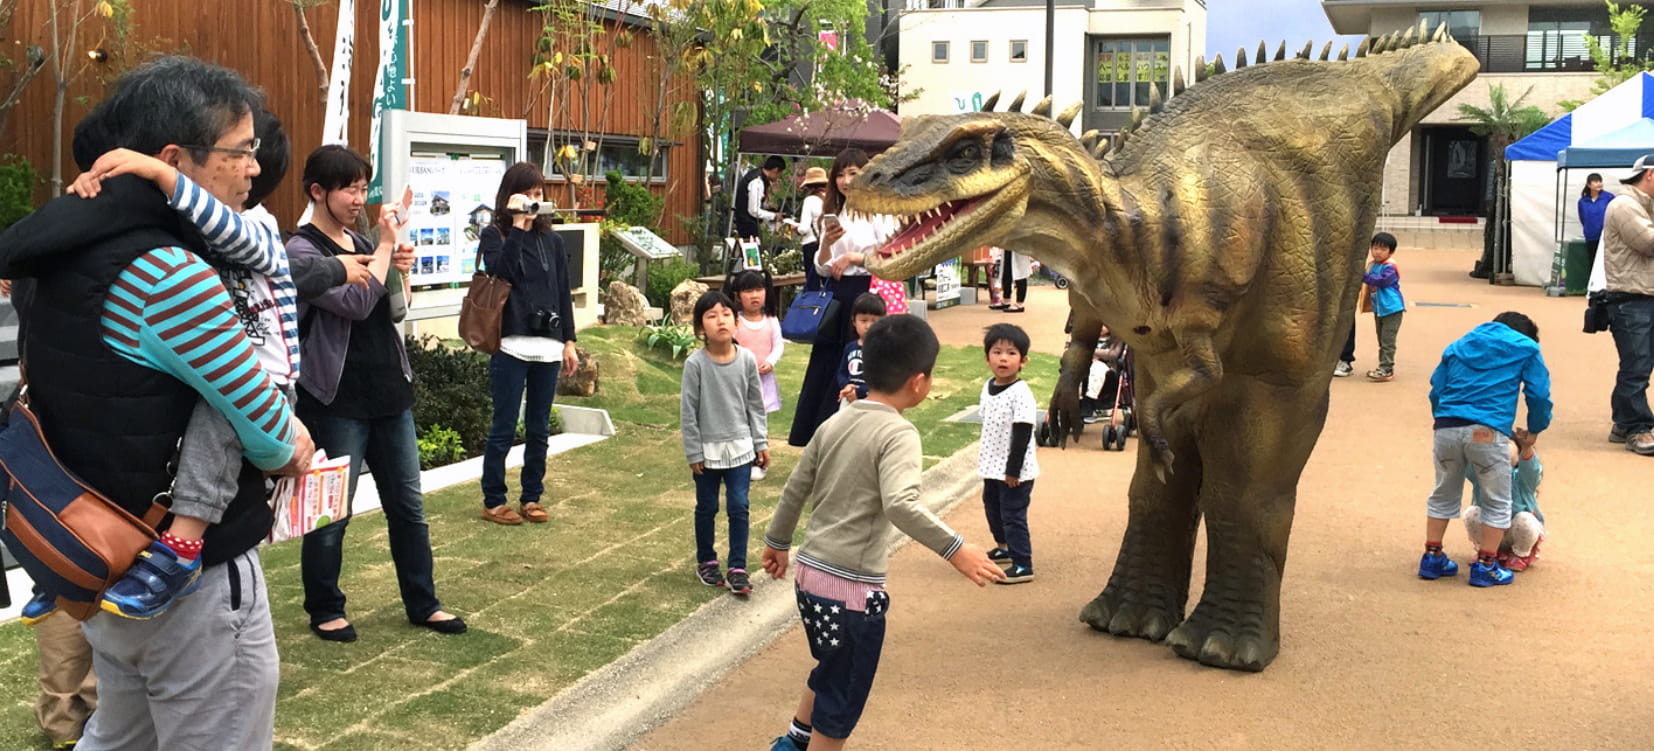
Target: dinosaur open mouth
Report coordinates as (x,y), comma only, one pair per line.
(920,227)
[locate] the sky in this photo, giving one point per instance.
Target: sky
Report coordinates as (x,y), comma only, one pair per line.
(1232,24)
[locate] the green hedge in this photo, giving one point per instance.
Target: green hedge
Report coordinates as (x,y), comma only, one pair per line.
(453,408)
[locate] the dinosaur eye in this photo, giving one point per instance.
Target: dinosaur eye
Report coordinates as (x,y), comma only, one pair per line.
(965,156)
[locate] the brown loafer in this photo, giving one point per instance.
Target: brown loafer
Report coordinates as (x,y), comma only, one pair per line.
(533,513)
(502,515)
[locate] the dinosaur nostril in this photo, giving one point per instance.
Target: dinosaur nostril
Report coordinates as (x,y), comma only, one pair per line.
(874,177)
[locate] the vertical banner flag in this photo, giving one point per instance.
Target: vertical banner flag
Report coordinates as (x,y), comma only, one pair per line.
(336,124)
(389,88)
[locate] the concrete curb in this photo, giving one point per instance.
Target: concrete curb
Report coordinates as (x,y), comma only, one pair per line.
(614,706)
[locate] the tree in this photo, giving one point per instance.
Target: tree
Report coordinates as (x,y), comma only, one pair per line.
(309,39)
(65,51)
(1503,121)
(471,60)
(34,62)
(1619,63)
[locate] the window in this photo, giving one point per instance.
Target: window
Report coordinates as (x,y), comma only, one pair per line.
(1462,24)
(979,51)
(615,153)
(938,52)
(1019,50)
(1126,67)
(1557,45)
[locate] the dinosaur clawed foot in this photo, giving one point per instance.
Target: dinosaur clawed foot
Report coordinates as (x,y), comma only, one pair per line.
(1163,458)
(1227,637)
(1147,616)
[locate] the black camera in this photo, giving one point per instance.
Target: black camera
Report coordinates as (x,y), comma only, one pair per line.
(1599,311)
(544,321)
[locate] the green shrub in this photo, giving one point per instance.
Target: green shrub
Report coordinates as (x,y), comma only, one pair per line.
(625,204)
(451,391)
(664,276)
(16,189)
(439,446)
(679,339)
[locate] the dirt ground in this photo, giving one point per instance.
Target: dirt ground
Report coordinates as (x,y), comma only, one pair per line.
(1371,656)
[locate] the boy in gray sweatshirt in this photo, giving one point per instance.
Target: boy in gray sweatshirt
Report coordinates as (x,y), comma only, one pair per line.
(860,474)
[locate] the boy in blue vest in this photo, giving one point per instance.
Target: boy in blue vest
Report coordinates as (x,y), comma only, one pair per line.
(1382,296)
(1473,396)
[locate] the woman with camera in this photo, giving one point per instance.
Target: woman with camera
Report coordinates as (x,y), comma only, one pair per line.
(536,339)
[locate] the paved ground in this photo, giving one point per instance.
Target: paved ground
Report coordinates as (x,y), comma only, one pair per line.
(1371,656)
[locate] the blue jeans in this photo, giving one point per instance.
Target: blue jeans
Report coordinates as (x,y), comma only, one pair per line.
(846,645)
(1633,328)
(391,451)
(737,481)
(507,379)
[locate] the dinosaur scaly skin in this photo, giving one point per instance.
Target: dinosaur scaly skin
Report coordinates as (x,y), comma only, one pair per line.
(1225,243)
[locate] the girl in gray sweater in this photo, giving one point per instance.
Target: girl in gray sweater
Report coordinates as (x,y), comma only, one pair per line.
(725,435)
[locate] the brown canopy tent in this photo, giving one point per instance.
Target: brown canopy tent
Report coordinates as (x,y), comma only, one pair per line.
(823,134)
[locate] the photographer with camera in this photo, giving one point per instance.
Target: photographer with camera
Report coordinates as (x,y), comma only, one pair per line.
(536,338)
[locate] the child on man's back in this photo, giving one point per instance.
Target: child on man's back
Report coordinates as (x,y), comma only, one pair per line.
(867,309)
(725,436)
(859,475)
(758,330)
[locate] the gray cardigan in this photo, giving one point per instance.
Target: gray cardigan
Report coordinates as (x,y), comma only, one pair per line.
(722,401)
(330,317)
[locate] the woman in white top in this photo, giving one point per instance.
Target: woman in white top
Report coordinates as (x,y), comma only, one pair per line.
(845,245)
(809,215)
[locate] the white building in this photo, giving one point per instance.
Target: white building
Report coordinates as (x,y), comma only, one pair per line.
(1107,52)
(1442,168)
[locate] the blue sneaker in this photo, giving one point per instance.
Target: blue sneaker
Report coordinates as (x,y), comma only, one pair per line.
(1436,566)
(38,608)
(784,743)
(1489,574)
(156,580)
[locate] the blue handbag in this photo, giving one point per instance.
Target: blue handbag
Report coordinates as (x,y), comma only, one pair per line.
(810,314)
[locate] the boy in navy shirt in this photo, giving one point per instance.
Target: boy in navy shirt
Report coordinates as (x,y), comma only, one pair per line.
(866,311)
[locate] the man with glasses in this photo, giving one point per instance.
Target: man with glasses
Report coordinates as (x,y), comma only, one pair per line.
(128,329)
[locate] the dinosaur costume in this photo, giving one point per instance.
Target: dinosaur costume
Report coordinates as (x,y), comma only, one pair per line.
(1224,241)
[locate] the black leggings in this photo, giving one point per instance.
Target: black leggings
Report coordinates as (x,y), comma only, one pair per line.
(1005,283)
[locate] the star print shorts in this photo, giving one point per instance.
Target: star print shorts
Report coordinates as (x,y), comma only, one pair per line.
(846,646)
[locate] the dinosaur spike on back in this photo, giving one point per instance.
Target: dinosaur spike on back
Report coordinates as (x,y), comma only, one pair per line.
(1090,138)
(1263,53)
(1366,46)
(1200,68)
(1177,81)
(1441,33)
(1424,29)
(1344,54)
(1042,109)
(988,104)
(1155,102)
(1240,58)
(1327,50)
(1306,52)
(1217,66)
(1280,52)
(1066,117)
(1016,104)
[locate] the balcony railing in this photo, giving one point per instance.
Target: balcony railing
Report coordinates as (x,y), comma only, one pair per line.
(1548,52)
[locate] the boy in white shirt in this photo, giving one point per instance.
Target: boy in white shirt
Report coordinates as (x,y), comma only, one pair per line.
(1005,455)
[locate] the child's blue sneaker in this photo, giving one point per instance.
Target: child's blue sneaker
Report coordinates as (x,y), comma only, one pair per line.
(784,743)
(1436,566)
(156,580)
(1489,574)
(38,608)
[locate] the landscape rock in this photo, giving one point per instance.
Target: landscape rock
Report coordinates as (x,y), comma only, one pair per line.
(582,382)
(683,300)
(625,306)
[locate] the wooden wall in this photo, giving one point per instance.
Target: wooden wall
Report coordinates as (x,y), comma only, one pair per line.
(260,39)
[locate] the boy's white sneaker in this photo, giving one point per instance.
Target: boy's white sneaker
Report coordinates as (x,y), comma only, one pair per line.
(757,473)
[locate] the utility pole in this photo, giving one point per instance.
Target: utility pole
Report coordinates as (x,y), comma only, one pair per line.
(1050,41)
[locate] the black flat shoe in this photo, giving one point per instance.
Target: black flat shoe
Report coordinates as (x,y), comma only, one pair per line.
(453,626)
(344,635)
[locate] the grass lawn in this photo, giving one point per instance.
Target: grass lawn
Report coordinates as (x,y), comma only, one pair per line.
(546,603)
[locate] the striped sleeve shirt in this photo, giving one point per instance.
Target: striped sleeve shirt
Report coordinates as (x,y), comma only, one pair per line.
(267,307)
(168,311)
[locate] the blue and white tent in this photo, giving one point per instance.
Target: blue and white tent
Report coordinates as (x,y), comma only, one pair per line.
(1610,126)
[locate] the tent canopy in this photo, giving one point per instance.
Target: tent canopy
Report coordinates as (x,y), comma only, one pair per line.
(824,133)
(1616,108)
(1616,150)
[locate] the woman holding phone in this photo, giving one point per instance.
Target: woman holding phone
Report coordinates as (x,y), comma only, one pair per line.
(845,244)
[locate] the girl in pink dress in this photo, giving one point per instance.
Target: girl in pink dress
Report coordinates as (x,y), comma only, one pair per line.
(758,329)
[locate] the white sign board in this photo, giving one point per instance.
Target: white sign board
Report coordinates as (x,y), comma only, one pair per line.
(947,283)
(645,244)
(452,203)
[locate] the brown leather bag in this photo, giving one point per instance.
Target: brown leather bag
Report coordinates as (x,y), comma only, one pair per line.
(479,314)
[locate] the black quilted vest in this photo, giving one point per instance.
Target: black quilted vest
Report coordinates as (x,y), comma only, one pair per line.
(114,423)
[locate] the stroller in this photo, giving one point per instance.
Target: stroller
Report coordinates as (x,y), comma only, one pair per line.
(1122,421)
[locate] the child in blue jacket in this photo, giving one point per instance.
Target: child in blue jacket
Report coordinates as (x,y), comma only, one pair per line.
(1473,396)
(1383,297)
